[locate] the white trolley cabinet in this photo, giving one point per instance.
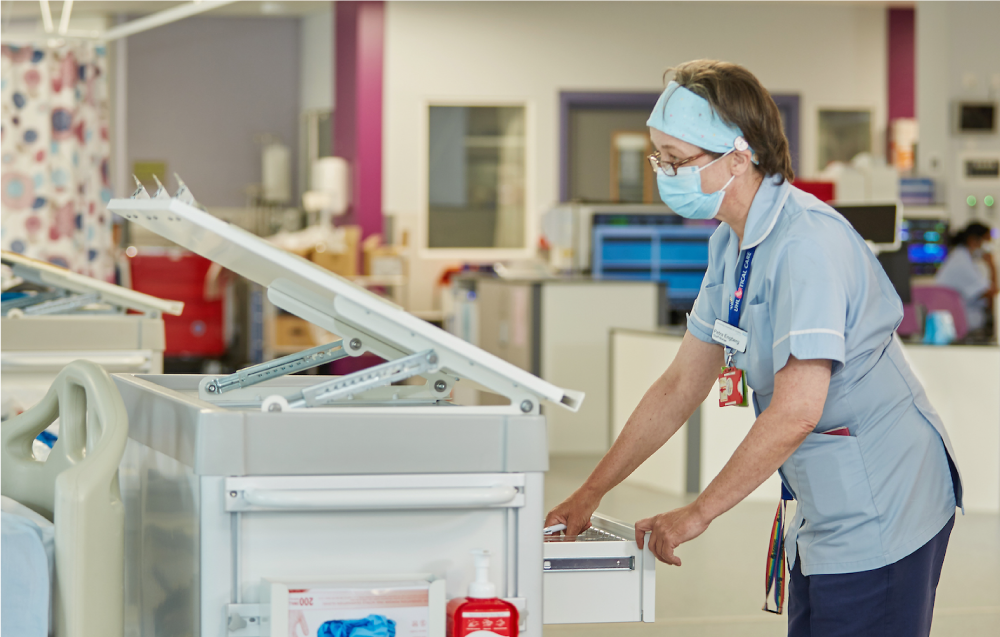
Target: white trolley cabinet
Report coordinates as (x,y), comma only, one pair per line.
(77,317)
(233,481)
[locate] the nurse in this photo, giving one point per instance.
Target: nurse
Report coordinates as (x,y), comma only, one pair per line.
(961,273)
(795,305)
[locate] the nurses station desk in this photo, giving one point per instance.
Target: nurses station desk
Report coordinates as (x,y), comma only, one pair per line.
(961,382)
(234,483)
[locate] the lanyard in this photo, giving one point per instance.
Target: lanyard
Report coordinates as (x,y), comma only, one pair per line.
(774,571)
(736,302)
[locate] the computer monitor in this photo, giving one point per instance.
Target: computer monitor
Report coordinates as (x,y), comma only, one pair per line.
(926,244)
(897,266)
(877,223)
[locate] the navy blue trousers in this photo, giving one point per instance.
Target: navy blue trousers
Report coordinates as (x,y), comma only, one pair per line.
(893,601)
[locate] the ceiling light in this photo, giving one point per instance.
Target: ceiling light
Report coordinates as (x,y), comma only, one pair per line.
(46,15)
(64,17)
(271,8)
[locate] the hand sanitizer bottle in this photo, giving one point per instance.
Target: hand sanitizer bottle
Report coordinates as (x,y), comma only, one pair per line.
(482,613)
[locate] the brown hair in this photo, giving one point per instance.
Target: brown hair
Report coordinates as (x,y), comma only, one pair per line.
(740,100)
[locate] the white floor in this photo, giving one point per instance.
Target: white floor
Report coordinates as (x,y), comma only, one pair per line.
(719,589)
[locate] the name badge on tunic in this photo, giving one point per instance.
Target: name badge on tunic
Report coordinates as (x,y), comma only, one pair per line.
(730,336)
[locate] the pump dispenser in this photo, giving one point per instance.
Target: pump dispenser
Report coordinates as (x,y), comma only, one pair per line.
(482,613)
(482,588)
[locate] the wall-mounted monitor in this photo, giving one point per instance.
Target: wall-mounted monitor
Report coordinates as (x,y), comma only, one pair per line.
(977,117)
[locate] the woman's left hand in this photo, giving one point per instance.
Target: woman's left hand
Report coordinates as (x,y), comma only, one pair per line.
(670,530)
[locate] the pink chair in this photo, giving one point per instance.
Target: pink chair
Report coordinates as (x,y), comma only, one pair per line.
(932,298)
(909,325)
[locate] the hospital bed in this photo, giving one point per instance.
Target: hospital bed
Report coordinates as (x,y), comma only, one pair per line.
(76,487)
(235,486)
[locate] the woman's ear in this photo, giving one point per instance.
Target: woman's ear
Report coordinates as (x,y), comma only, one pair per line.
(741,162)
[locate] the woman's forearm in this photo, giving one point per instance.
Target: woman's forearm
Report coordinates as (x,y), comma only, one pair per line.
(799,396)
(657,417)
(770,442)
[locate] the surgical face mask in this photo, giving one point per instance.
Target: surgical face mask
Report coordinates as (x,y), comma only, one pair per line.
(682,192)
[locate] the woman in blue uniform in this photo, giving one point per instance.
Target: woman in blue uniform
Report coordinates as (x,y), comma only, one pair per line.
(795,305)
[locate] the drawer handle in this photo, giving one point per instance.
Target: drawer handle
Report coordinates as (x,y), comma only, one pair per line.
(578,564)
(366,499)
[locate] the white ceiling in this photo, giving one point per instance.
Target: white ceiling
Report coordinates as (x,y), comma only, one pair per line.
(30,8)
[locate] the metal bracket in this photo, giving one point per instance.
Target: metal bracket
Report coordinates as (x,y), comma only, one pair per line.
(396,395)
(29,300)
(292,298)
(346,387)
(246,620)
(62,305)
(307,359)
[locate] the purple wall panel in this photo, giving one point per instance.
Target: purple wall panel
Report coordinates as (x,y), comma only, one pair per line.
(902,63)
(357,119)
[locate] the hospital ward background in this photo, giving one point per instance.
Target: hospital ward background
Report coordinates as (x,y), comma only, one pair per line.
(312,310)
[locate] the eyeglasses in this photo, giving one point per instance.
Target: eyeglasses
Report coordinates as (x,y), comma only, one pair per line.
(670,168)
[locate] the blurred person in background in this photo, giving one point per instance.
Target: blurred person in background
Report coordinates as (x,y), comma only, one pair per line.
(963,272)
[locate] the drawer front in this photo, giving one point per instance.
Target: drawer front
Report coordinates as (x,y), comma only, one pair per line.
(318,528)
(601,578)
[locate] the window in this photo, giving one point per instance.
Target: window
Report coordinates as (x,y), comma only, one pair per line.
(843,134)
(476,193)
(631,178)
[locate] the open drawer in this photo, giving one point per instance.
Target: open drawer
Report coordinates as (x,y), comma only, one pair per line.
(600,576)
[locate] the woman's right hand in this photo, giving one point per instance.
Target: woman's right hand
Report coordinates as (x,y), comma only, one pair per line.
(574,512)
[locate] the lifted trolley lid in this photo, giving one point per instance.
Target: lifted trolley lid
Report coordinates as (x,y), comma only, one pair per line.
(363,320)
(43,273)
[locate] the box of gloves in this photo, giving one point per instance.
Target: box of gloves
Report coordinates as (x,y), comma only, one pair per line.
(397,606)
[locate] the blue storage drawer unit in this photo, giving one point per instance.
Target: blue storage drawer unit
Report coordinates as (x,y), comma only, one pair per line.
(674,254)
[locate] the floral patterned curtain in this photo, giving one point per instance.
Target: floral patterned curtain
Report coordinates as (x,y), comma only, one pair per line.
(55,153)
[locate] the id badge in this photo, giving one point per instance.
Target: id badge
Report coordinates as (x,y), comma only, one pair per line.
(730,336)
(733,388)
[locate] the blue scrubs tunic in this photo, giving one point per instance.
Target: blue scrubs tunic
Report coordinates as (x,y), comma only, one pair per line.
(816,291)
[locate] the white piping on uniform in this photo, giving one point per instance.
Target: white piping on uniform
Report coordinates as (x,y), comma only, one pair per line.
(695,317)
(781,205)
(818,330)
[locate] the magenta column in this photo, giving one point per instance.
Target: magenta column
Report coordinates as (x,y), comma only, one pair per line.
(357,117)
(902,63)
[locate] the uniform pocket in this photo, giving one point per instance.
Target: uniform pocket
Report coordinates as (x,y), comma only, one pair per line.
(758,360)
(832,487)
(711,296)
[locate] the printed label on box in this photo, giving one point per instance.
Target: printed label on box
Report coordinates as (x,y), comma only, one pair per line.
(403,609)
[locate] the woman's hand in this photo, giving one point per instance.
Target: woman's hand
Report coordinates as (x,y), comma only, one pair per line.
(670,530)
(575,512)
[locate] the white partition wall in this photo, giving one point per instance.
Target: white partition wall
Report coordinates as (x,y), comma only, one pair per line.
(576,318)
(638,359)
(963,384)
